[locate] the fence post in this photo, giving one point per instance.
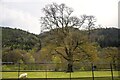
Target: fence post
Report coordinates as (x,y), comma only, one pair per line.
(93,71)
(46,71)
(18,70)
(111,71)
(70,75)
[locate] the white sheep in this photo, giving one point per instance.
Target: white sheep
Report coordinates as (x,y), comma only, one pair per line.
(23,75)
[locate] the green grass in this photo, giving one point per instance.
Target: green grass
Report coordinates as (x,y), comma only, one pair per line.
(65,79)
(82,74)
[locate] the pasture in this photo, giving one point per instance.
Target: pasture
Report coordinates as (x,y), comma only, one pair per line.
(82,75)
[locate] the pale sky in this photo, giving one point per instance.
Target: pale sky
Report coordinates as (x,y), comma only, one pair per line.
(25,14)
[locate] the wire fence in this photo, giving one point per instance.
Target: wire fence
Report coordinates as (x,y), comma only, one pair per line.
(51,71)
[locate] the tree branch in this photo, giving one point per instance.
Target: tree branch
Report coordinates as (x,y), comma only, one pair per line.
(61,55)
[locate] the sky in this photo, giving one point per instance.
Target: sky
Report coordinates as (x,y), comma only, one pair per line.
(25,14)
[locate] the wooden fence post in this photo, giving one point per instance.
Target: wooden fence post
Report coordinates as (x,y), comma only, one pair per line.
(18,70)
(92,71)
(111,71)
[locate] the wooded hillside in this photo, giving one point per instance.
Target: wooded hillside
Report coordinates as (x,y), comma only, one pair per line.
(24,47)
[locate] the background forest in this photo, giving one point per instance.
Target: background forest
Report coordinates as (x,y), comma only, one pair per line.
(24,47)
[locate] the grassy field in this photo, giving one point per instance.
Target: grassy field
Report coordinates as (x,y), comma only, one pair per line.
(84,75)
(65,79)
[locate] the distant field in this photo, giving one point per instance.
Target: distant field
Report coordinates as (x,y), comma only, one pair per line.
(84,75)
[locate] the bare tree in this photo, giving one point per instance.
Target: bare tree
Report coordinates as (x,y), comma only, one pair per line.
(91,25)
(59,18)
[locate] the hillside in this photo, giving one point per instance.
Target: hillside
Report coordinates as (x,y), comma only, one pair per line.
(19,39)
(22,46)
(16,38)
(107,37)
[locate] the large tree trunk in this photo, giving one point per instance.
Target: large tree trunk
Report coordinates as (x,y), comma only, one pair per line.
(70,66)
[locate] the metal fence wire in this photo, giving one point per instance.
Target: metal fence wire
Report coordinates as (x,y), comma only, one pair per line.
(81,71)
